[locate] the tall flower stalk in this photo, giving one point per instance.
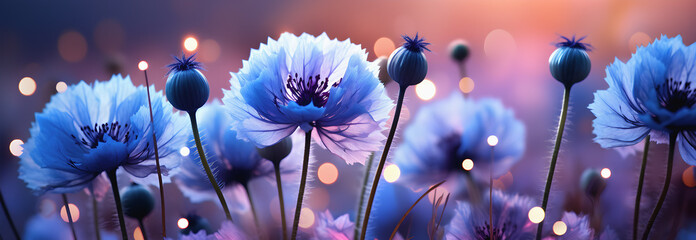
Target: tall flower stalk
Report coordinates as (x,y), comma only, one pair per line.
(8,216)
(363,189)
(303,181)
(407,66)
(569,64)
(665,187)
(143,67)
(187,89)
(636,210)
(276,153)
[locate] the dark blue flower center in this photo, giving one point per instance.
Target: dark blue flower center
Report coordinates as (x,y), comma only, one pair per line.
(312,90)
(450,145)
(93,135)
(674,95)
(499,233)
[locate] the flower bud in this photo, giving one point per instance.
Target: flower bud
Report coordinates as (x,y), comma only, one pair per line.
(137,201)
(570,64)
(277,152)
(459,51)
(383,75)
(407,64)
(592,183)
(186,88)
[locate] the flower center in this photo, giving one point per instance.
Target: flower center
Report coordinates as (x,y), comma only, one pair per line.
(484,232)
(314,90)
(674,95)
(92,135)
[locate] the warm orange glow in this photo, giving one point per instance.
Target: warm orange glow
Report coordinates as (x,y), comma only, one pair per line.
(499,43)
(392,173)
(328,173)
(492,140)
(27,86)
(16,147)
(426,90)
(190,44)
(209,51)
(72,46)
(74,213)
(61,87)
(638,39)
(306,218)
(466,85)
(468,164)
(688,177)
(138,234)
(142,65)
(606,173)
(536,215)
(560,228)
(384,47)
(182,223)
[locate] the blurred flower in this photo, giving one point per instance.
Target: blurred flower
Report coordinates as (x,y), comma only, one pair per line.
(327,227)
(578,227)
(687,232)
(407,64)
(592,183)
(234,162)
(312,83)
(196,224)
(228,231)
(187,89)
(649,94)
(391,202)
(90,129)
(509,219)
(44,228)
(570,64)
(445,133)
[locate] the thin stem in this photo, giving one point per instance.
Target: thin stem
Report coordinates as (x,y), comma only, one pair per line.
(412,206)
(490,195)
(281,200)
(142,228)
(95,215)
(157,161)
(358,217)
(9,218)
(378,174)
(70,219)
(554,157)
(303,181)
(204,162)
(665,187)
(636,210)
(253,210)
(117,198)
(472,189)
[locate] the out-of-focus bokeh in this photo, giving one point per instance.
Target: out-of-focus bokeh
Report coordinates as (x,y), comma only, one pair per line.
(47,45)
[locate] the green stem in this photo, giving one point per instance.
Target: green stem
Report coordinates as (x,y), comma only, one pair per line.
(142,229)
(378,174)
(95,215)
(253,210)
(9,218)
(281,200)
(554,157)
(665,187)
(636,210)
(303,181)
(70,219)
(204,162)
(358,217)
(117,198)
(157,161)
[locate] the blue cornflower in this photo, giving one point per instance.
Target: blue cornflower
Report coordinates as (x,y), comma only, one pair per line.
(509,219)
(93,128)
(445,133)
(578,227)
(49,227)
(234,162)
(312,83)
(327,227)
(649,94)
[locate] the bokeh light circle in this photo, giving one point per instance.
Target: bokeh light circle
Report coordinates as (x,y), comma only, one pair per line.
(384,47)
(327,173)
(466,85)
(72,46)
(306,218)
(559,228)
(426,90)
(16,148)
(536,215)
(74,213)
(392,173)
(27,86)
(468,164)
(61,87)
(190,44)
